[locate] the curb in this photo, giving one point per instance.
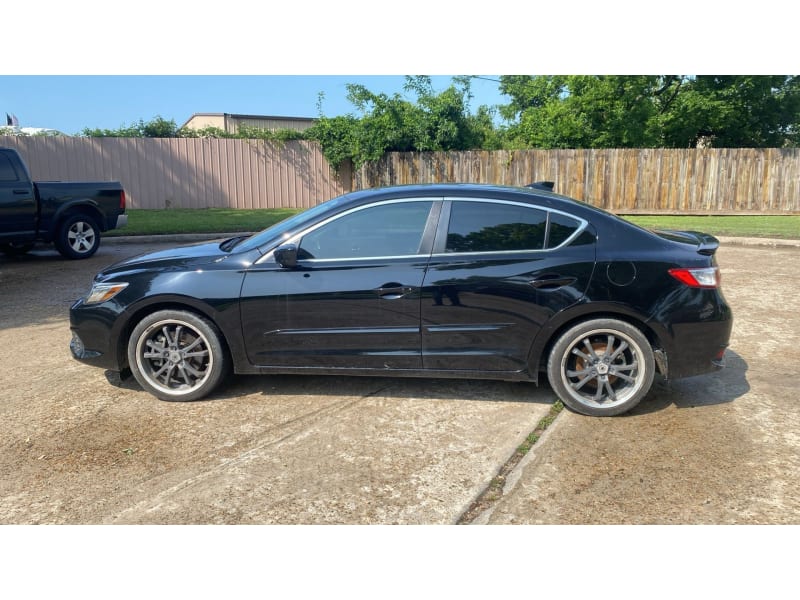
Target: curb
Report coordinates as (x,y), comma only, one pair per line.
(763,242)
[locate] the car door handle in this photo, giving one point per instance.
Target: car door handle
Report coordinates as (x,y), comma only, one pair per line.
(393,291)
(551,281)
(21,192)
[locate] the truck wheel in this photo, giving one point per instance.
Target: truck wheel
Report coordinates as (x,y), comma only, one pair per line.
(78,237)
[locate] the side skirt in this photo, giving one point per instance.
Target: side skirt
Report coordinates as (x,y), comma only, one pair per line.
(428,374)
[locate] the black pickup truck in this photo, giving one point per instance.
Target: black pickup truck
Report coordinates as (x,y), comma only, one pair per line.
(71,215)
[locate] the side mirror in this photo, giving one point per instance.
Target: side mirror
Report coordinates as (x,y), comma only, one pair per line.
(286,256)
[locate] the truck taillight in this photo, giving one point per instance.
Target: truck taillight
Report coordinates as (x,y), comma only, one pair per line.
(122,200)
(708,277)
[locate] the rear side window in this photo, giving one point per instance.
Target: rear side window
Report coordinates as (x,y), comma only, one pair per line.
(7,172)
(494,227)
(561,228)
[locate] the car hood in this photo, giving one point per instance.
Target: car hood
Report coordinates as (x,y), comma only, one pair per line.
(178,259)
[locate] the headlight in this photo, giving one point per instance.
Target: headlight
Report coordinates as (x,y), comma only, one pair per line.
(101,292)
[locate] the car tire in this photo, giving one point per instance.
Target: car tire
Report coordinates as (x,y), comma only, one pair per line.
(601,367)
(78,236)
(177,355)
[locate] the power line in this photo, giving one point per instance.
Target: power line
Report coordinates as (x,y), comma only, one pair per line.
(484,78)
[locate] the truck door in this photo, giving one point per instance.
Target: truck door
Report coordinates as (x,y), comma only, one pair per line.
(17,201)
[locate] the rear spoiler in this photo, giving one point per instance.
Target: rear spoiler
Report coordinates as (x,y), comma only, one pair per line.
(542,185)
(706,244)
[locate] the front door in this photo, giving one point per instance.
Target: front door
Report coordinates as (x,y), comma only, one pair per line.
(352,301)
(17,203)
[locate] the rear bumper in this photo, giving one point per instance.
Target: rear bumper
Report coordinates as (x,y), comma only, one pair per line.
(115,222)
(701,349)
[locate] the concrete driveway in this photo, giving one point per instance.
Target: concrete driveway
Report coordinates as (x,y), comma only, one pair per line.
(74,449)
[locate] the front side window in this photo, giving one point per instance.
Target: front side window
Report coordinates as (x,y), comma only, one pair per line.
(392,229)
(495,227)
(7,172)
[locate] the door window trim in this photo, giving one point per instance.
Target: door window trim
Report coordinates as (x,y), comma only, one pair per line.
(426,241)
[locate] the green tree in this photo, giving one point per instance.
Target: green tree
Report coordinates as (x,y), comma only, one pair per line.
(633,111)
(157,127)
(582,111)
(734,111)
(383,123)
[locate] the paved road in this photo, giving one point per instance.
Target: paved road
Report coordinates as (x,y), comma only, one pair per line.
(716,449)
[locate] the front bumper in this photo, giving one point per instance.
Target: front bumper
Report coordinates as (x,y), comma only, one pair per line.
(92,340)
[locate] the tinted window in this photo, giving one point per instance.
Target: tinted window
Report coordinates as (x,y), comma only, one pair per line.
(384,230)
(7,172)
(561,227)
(491,227)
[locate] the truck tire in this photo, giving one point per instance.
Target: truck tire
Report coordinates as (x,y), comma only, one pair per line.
(78,236)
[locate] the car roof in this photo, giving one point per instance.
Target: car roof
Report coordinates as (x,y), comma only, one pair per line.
(537,196)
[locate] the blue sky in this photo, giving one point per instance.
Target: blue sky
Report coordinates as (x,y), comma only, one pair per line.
(69,103)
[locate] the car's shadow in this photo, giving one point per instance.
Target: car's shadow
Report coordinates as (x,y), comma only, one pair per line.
(285,386)
(719,387)
(716,388)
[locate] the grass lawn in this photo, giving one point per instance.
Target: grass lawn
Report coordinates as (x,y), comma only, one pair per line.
(200,220)
(772,226)
(225,220)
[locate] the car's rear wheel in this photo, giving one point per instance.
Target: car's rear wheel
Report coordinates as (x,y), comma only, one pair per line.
(78,237)
(177,355)
(601,367)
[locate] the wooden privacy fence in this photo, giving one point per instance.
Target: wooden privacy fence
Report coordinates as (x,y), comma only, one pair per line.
(698,181)
(201,173)
(190,172)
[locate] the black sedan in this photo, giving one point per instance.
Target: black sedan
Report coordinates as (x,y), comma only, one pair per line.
(451,280)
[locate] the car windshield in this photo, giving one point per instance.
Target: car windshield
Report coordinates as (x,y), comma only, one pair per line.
(284,229)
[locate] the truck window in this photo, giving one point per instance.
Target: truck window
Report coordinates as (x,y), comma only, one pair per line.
(7,172)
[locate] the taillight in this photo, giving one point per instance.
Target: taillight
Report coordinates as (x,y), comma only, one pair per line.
(122,200)
(707,277)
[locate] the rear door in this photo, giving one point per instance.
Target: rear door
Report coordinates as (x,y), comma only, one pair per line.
(498,272)
(17,200)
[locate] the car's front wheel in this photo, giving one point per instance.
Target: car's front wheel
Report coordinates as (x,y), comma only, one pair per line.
(177,355)
(601,367)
